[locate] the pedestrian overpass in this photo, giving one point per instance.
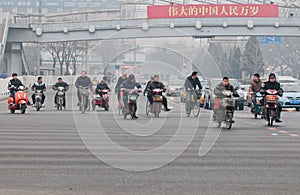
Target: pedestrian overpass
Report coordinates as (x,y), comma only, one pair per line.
(13,35)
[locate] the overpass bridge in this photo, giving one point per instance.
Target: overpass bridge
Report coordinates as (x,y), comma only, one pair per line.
(16,34)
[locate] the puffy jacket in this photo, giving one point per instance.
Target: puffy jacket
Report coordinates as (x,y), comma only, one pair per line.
(218,91)
(39,86)
(17,83)
(62,84)
(127,84)
(84,82)
(191,83)
(255,86)
(156,85)
(102,87)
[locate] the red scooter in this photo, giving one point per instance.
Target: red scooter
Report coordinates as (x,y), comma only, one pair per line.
(101,101)
(20,103)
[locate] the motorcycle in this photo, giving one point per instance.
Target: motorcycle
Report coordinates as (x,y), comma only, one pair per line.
(20,103)
(257,107)
(60,97)
(101,101)
(270,107)
(130,108)
(84,105)
(38,99)
(226,110)
(157,103)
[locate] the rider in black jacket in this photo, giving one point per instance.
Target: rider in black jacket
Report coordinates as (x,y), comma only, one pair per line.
(63,84)
(102,86)
(14,84)
(273,84)
(155,84)
(190,85)
(39,85)
(129,83)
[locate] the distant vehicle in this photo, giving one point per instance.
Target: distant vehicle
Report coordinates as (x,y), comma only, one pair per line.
(174,87)
(209,97)
(286,79)
(291,96)
(247,96)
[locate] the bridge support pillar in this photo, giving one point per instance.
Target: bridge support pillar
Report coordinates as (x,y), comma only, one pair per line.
(13,58)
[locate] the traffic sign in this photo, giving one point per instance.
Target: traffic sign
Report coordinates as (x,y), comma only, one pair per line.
(117,67)
(269,39)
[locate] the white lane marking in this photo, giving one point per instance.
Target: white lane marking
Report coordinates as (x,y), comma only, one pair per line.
(293,135)
(283,132)
(274,134)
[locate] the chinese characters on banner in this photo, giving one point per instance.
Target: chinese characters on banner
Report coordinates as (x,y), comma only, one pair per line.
(212,11)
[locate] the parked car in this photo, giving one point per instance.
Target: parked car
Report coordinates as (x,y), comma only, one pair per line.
(291,96)
(209,97)
(174,87)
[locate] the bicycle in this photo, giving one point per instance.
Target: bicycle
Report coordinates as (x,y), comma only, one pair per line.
(84,105)
(194,104)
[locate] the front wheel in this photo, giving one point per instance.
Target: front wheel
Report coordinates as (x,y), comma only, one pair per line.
(93,105)
(106,106)
(148,107)
(271,117)
(229,120)
(23,109)
(196,109)
(83,104)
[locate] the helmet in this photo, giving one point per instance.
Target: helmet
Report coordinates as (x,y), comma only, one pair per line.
(131,77)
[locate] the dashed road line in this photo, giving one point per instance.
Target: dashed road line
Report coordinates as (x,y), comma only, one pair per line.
(293,135)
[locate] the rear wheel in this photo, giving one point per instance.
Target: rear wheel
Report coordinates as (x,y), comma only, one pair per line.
(12,111)
(255,115)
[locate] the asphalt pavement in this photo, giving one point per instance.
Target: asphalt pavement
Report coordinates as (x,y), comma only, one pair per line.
(66,152)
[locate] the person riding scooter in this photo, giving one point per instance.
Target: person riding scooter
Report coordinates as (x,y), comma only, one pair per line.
(39,85)
(155,84)
(130,83)
(101,86)
(255,86)
(274,85)
(13,85)
(218,91)
(63,84)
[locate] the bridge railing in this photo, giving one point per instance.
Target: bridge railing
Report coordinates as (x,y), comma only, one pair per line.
(4,37)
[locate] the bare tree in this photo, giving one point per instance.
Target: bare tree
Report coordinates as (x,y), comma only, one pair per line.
(64,53)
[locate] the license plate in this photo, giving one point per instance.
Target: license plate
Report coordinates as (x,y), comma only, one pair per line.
(294,101)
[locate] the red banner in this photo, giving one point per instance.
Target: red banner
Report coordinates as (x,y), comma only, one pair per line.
(212,11)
